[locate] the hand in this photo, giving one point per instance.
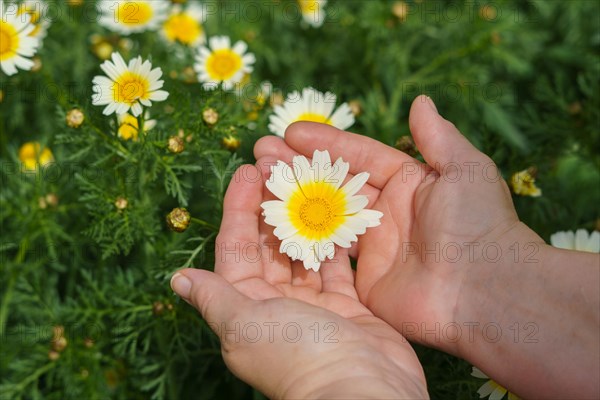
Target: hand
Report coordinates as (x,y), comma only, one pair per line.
(289,332)
(450,257)
(401,274)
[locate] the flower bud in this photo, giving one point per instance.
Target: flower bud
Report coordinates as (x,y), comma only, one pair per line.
(178,219)
(210,116)
(175,145)
(400,10)
(231,143)
(406,144)
(37,64)
(157,308)
(121,203)
(75,118)
(51,199)
(355,107)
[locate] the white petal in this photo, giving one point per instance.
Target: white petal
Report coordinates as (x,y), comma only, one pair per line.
(355,204)
(282,182)
(343,117)
(356,224)
(594,242)
(321,164)
(285,230)
(372,217)
(338,173)
(302,170)
(356,183)
(477,373)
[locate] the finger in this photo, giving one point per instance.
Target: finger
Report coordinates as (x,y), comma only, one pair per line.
(237,244)
(363,153)
(276,266)
(438,139)
(337,275)
(275,148)
(215,298)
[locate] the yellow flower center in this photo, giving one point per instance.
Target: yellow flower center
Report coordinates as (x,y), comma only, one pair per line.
(316,213)
(183,28)
(129,87)
(134,13)
(317,210)
(308,6)
(313,117)
(9,41)
(223,64)
(128,128)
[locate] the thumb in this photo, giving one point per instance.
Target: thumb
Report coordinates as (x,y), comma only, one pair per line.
(215,298)
(438,139)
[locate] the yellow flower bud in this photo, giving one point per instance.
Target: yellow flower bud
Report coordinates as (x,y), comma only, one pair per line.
(231,143)
(175,145)
(75,118)
(210,116)
(178,219)
(400,10)
(121,203)
(33,156)
(523,183)
(355,107)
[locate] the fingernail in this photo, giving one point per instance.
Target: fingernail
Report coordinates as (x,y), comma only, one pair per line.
(431,104)
(181,285)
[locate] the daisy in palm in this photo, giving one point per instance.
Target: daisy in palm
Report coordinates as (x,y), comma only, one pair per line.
(129,16)
(185,25)
(491,388)
(127,87)
(220,63)
(315,212)
(311,105)
(16,43)
(580,240)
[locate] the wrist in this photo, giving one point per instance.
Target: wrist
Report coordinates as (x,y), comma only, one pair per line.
(488,284)
(367,374)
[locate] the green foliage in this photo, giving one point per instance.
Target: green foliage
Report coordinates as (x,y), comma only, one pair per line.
(522,84)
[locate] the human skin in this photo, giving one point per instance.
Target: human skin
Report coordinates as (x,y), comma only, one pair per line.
(289,332)
(452,267)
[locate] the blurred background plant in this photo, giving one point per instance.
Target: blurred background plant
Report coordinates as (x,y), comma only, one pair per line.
(91,204)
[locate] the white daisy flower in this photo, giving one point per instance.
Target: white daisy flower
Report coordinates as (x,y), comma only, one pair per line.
(313,213)
(37,10)
(129,126)
(221,63)
(16,44)
(313,12)
(185,25)
(313,106)
(129,16)
(579,240)
(127,86)
(491,388)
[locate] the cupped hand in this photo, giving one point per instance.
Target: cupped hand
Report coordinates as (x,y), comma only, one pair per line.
(289,332)
(441,218)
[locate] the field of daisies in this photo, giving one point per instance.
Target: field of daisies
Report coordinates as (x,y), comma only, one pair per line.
(123,121)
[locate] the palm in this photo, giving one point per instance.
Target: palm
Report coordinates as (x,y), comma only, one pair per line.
(429,218)
(248,258)
(396,278)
